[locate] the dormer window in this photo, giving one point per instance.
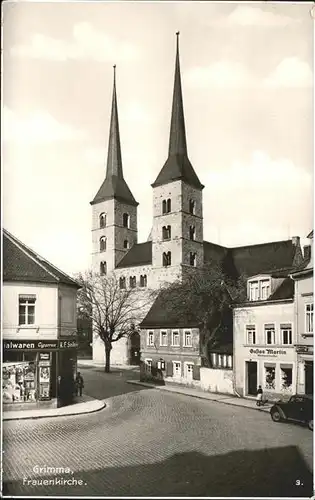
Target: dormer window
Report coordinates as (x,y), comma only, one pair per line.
(259,289)
(126,220)
(102,244)
(166,232)
(103,268)
(102,220)
(166,206)
(167,259)
(192,207)
(192,231)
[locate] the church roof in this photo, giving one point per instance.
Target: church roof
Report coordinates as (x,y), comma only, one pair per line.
(177,165)
(139,254)
(114,185)
(20,263)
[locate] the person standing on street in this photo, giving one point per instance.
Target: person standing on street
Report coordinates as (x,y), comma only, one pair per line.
(259,396)
(79,384)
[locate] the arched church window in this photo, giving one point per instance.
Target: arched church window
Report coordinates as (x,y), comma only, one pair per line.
(166,206)
(103,268)
(102,220)
(192,231)
(126,220)
(126,244)
(122,282)
(192,207)
(102,244)
(143,280)
(167,258)
(192,258)
(166,232)
(132,281)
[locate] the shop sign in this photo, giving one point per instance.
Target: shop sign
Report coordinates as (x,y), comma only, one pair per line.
(44,356)
(268,352)
(304,349)
(26,345)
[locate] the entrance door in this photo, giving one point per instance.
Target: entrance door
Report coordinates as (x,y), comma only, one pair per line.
(134,349)
(251,377)
(309,377)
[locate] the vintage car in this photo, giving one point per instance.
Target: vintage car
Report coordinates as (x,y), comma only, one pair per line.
(297,408)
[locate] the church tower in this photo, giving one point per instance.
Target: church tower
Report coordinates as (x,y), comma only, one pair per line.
(177,233)
(114,209)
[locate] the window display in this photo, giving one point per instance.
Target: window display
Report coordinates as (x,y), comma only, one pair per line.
(19,382)
(270,377)
(286,378)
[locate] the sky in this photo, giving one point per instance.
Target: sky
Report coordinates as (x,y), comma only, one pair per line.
(247,79)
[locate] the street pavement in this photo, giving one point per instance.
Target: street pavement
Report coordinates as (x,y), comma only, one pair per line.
(152,443)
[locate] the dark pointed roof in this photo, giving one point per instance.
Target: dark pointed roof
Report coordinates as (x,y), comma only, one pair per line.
(177,165)
(114,185)
(20,263)
(139,254)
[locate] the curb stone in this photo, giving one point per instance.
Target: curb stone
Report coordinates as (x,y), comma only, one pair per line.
(55,415)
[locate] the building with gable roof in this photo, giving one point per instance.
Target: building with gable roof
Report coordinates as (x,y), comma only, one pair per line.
(39,325)
(176,242)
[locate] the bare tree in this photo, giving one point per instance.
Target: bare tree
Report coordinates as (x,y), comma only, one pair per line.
(205,297)
(114,311)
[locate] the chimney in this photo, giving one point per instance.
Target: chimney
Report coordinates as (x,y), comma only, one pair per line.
(307,251)
(296,241)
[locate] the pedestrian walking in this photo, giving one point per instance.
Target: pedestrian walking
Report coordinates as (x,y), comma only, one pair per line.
(259,396)
(79,384)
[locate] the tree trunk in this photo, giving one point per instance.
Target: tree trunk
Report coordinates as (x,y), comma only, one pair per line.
(108,348)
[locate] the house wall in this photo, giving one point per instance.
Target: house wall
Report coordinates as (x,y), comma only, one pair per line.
(277,355)
(46,311)
(213,380)
(67,297)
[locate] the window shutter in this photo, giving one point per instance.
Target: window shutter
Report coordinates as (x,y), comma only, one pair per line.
(169,369)
(196,372)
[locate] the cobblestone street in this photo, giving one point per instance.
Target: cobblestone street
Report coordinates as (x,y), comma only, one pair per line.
(150,443)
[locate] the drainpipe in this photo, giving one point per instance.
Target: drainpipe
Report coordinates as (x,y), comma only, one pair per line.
(234,365)
(296,333)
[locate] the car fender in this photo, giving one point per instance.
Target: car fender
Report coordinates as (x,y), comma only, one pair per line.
(280,410)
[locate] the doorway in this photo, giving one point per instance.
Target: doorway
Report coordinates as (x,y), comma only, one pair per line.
(134,348)
(309,378)
(251,370)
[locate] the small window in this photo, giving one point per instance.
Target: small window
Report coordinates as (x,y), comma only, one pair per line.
(126,244)
(192,207)
(167,259)
(122,282)
(102,220)
(132,282)
(264,289)
(150,341)
(309,310)
(126,220)
(177,368)
(102,244)
(143,280)
(148,365)
(253,290)
(103,268)
(187,339)
(175,339)
(27,309)
(192,231)
(166,232)
(164,207)
(286,335)
(270,335)
(163,339)
(251,335)
(192,259)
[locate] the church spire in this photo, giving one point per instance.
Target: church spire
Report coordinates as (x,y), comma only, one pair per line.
(177,165)
(114,163)
(177,144)
(114,185)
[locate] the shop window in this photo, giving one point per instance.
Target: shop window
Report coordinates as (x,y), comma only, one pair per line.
(167,259)
(270,377)
(309,309)
(143,280)
(192,231)
(175,339)
(192,258)
(27,309)
(102,244)
(163,339)
(270,334)
(103,268)
(192,207)
(286,378)
(122,282)
(286,335)
(187,339)
(132,281)
(19,382)
(126,220)
(251,335)
(166,232)
(102,220)
(150,339)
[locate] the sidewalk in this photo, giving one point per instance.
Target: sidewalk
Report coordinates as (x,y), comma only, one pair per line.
(210,396)
(89,363)
(84,404)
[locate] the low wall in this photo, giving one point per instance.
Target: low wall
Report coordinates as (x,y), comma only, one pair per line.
(212,380)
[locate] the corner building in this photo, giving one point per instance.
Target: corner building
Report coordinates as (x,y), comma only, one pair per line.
(176,241)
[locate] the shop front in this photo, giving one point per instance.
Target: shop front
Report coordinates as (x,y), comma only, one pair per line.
(305,375)
(32,369)
(272,368)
